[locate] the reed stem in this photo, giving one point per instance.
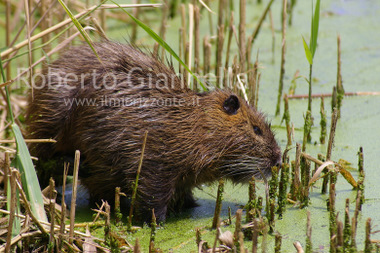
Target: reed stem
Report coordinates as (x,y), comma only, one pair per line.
(323,122)
(339,83)
(218,204)
(134,193)
(286,117)
(283,52)
(74,195)
(347,227)
(242,42)
(368,244)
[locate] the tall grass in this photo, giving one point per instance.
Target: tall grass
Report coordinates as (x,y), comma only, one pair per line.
(309,53)
(24,164)
(312,47)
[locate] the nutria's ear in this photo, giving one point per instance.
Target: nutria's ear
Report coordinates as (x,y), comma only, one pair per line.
(231,104)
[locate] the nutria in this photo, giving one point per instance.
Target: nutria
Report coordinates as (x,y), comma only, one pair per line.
(103,109)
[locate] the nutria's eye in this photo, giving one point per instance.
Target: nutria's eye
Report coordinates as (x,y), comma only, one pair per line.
(257,130)
(231,104)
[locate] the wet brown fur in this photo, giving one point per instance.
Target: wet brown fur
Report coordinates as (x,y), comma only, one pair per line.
(187,145)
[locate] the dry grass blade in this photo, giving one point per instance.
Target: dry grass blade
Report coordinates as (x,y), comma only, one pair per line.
(6,83)
(206,7)
(319,171)
(88,244)
(114,6)
(6,149)
(298,247)
(226,238)
(30,141)
(242,88)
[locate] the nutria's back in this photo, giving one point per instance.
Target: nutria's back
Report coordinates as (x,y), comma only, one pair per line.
(104,108)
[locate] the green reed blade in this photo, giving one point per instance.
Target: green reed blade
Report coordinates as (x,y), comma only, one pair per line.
(162,43)
(308,54)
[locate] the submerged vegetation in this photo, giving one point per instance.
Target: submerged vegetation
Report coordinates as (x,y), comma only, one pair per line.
(32,220)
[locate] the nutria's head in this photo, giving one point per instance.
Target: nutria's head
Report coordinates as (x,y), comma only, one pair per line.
(240,139)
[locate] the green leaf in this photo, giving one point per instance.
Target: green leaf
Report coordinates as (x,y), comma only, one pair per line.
(315,28)
(308,54)
(162,43)
(29,180)
(80,27)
